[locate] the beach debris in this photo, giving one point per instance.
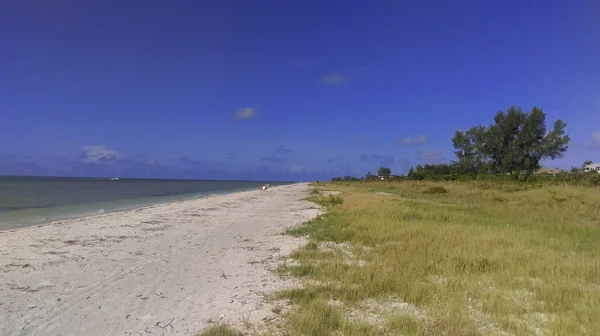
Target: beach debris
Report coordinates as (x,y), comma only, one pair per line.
(157,324)
(19,265)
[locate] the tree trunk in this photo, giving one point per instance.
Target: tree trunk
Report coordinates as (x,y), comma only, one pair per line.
(528,173)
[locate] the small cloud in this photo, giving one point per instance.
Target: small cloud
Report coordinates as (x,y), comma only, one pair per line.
(246,113)
(333,78)
(298,168)
(380,159)
(230,156)
(409,141)
(188,161)
(282,149)
(272,158)
(596,139)
(431,156)
(97,154)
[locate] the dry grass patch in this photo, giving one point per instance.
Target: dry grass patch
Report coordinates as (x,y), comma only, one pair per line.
(478,259)
(220,330)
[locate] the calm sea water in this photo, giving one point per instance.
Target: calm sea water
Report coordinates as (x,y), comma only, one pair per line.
(26,201)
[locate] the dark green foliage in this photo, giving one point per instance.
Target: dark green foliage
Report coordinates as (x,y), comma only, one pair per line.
(447,172)
(346,178)
(331,200)
(384,171)
(514,144)
(436,190)
(510,148)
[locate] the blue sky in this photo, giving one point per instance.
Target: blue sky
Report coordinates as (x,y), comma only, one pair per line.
(281,90)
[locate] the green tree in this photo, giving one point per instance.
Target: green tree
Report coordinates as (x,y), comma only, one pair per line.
(469,149)
(535,143)
(384,171)
(370,176)
(516,142)
(586,163)
(500,141)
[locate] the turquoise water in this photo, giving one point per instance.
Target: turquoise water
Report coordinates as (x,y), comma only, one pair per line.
(26,201)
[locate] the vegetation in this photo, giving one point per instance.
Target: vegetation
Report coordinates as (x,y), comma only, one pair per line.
(220,330)
(460,248)
(515,143)
(510,148)
(436,190)
(451,172)
(384,171)
(483,257)
(326,201)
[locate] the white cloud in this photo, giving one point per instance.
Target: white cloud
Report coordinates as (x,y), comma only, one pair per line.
(333,78)
(95,154)
(407,141)
(246,113)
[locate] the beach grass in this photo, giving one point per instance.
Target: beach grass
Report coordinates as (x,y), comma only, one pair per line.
(220,330)
(448,258)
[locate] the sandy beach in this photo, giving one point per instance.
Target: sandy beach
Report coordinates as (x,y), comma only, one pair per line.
(169,269)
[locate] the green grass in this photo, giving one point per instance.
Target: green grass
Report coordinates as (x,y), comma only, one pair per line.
(220,330)
(425,258)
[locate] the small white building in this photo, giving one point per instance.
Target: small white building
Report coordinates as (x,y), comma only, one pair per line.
(592,167)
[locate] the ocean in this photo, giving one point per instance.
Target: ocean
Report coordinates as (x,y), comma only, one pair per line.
(27,201)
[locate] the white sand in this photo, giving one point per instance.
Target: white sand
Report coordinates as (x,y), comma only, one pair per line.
(169,269)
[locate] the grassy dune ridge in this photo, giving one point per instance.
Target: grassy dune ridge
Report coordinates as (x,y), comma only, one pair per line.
(448,258)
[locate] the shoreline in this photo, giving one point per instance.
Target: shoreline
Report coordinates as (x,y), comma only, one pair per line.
(192,262)
(126,209)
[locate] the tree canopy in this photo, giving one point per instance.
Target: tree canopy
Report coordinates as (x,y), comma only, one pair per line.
(515,143)
(384,171)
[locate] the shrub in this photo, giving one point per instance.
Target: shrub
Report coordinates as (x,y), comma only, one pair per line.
(333,200)
(436,190)
(315,191)
(220,330)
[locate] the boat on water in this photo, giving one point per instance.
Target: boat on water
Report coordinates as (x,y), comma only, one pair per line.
(114,179)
